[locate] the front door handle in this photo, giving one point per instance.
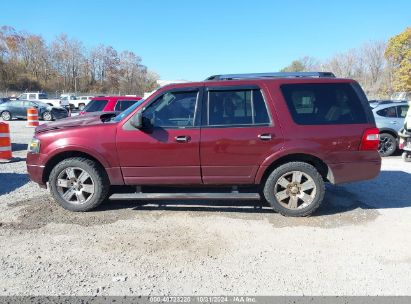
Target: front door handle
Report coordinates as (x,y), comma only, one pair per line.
(266,136)
(182,139)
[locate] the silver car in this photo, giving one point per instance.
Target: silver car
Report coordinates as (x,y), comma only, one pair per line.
(389,117)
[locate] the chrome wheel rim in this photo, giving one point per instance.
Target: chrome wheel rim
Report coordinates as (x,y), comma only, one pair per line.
(75,185)
(295,190)
(386,145)
(5,115)
(47,116)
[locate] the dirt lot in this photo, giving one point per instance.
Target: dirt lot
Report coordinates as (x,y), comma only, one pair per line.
(358,243)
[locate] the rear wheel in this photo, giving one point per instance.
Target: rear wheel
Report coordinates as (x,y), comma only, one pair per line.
(79,184)
(294,189)
(387,145)
(6,115)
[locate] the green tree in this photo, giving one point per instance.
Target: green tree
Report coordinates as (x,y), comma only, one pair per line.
(295,66)
(398,53)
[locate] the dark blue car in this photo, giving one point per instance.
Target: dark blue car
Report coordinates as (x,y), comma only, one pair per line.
(18,109)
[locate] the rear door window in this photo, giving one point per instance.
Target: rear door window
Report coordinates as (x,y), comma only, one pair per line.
(95,106)
(388,112)
(124,104)
(324,104)
(236,107)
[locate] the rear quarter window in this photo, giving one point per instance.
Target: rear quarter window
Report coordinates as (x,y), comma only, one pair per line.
(324,104)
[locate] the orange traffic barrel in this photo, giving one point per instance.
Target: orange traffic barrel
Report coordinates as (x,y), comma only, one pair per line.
(32,118)
(5,143)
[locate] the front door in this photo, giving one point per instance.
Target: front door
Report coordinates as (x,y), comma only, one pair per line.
(166,149)
(237,135)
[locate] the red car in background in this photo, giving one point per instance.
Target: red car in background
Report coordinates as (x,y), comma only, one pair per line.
(110,104)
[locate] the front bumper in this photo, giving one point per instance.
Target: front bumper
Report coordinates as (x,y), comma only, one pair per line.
(35,168)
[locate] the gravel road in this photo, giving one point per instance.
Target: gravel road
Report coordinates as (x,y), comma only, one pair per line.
(358,243)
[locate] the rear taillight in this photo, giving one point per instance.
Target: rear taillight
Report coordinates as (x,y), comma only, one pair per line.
(370,140)
(401,143)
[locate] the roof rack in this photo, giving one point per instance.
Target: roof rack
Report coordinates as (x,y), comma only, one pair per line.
(272,75)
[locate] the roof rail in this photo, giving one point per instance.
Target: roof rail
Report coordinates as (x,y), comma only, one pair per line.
(271,75)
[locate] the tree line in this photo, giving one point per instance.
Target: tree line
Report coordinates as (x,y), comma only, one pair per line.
(381,67)
(28,62)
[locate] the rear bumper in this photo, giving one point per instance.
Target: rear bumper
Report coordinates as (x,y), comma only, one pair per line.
(354,171)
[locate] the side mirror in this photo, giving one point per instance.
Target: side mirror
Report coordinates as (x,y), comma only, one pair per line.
(137,120)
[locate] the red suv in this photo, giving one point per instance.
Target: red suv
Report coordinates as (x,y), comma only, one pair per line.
(109,104)
(277,137)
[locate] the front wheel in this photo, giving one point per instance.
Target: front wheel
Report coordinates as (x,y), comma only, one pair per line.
(6,115)
(406,156)
(294,189)
(387,145)
(79,184)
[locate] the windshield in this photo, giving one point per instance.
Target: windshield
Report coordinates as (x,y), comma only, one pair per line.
(127,111)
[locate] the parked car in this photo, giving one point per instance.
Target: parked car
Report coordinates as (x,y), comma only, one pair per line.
(37,96)
(389,118)
(18,109)
(109,104)
(277,137)
(4,99)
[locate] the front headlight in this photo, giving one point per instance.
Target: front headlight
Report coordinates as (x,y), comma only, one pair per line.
(34,146)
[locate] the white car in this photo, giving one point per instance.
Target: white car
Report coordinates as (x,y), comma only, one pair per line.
(80,102)
(37,96)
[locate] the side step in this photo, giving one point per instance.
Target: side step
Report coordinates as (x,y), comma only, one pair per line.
(185,196)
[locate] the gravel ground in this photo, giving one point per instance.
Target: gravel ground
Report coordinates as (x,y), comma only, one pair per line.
(358,243)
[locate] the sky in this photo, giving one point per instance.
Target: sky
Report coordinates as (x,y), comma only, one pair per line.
(191,40)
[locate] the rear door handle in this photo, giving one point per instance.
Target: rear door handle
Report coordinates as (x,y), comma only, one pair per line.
(266,136)
(182,139)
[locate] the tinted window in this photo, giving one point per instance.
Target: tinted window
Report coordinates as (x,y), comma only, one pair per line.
(402,111)
(95,106)
(324,104)
(173,109)
(124,104)
(236,107)
(42,96)
(28,104)
(388,112)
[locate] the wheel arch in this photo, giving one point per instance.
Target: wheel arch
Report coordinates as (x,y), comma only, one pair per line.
(55,159)
(320,165)
(390,131)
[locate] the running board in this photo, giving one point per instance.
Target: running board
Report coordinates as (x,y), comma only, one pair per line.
(185,196)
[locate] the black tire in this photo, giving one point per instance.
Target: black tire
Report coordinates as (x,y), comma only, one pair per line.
(406,156)
(6,115)
(387,145)
(97,174)
(47,116)
(270,188)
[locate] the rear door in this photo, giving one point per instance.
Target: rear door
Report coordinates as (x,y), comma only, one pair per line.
(237,134)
